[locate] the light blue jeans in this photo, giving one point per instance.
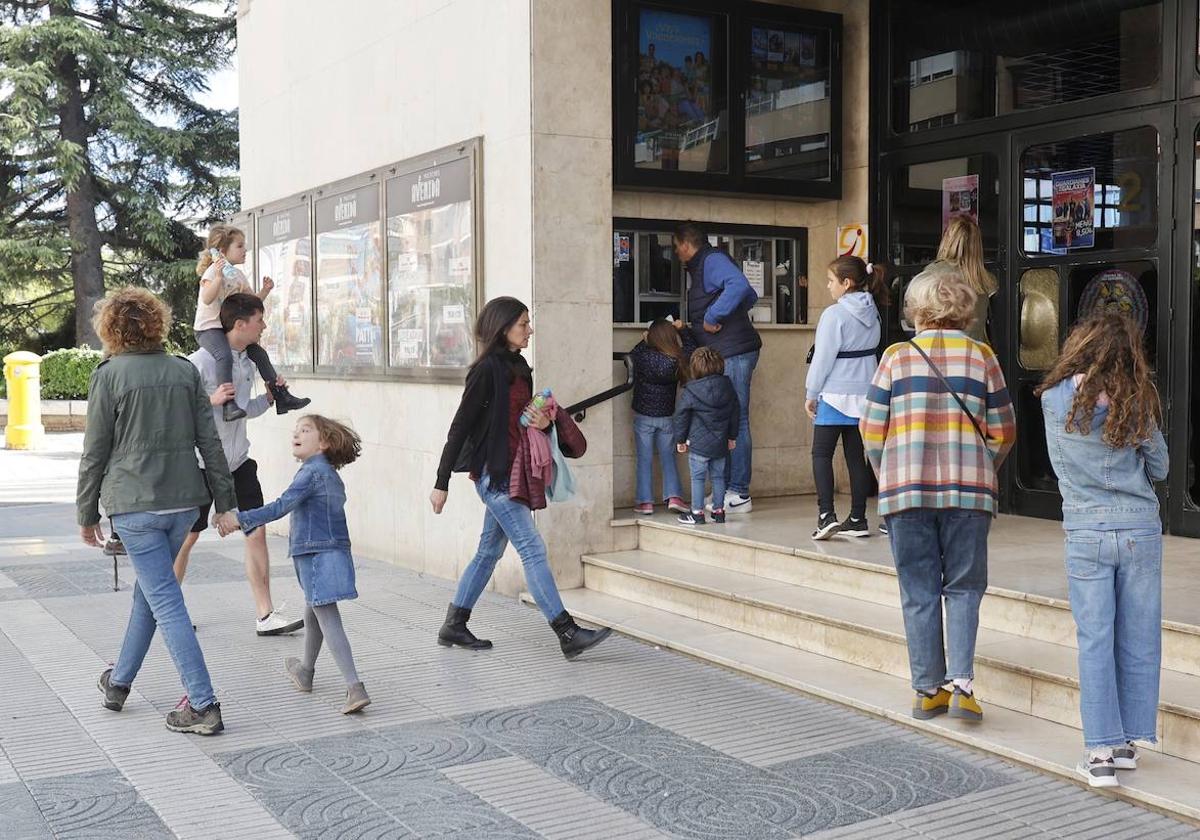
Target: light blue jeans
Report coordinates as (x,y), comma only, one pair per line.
(940,554)
(651,435)
(152,542)
(1115,582)
(703,469)
(739,464)
(503,521)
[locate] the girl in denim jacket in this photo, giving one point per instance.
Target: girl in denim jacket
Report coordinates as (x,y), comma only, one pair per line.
(319,543)
(1102,417)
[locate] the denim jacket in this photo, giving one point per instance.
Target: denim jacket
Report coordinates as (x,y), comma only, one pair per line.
(317,501)
(1102,488)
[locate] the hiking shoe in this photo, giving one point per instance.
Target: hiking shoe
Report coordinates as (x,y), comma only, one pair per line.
(114,695)
(302,677)
(645,509)
(827,526)
(738,503)
(718,516)
(276,624)
(1099,770)
(196,721)
(854,528)
(677,505)
(1126,757)
(356,699)
(964,706)
(113,547)
(691,518)
(928,706)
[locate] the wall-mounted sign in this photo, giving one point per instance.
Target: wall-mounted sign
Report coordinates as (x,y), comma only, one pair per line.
(1074,202)
(755,272)
(852,241)
(349,280)
(960,197)
(445,183)
(285,255)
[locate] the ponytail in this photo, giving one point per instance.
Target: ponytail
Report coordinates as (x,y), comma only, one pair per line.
(864,277)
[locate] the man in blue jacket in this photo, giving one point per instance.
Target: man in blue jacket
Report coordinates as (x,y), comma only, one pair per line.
(718,305)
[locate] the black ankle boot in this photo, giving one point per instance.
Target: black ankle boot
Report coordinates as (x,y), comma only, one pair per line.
(573,638)
(284,401)
(231,412)
(455,633)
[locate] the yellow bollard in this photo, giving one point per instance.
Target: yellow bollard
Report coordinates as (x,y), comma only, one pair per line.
(22,377)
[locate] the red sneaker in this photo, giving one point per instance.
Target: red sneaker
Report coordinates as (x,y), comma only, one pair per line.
(676,504)
(645,509)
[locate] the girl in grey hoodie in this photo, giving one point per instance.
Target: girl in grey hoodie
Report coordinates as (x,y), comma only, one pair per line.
(843,362)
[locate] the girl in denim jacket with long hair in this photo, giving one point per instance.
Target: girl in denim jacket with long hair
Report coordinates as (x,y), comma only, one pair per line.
(319,542)
(1102,417)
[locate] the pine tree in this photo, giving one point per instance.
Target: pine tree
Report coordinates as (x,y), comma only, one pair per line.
(107,161)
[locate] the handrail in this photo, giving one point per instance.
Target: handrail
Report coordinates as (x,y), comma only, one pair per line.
(579,409)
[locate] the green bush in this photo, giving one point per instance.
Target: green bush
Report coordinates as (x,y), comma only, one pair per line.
(65,373)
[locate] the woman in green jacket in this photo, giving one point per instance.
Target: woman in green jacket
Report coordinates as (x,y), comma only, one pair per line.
(147,414)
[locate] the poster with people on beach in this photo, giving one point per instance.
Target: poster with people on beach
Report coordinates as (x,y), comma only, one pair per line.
(674,83)
(1073,200)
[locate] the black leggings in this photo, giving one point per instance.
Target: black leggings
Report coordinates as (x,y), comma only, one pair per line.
(825,440)
(216,342)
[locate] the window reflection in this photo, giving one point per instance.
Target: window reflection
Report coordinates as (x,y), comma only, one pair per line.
(920,201)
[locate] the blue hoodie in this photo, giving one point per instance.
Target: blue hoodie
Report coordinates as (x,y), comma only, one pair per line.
(850,324)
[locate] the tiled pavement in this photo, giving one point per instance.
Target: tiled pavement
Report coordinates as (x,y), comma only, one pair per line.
(627,742)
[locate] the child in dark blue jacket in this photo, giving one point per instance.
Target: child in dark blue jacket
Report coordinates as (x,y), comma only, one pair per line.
(707,418)
(660,363)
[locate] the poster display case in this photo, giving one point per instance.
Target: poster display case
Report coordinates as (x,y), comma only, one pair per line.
(284,254)
(349,288)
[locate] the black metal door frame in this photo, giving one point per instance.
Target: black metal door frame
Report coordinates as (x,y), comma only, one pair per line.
(1183,395)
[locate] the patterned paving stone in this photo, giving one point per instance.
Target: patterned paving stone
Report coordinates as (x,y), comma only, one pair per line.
(96,806)
(20,815)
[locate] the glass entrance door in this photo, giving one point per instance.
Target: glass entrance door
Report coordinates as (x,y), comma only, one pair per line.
(1184,435)
(1091,216)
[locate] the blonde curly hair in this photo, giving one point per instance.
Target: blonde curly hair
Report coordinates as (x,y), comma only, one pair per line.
(939,298)
(131,319)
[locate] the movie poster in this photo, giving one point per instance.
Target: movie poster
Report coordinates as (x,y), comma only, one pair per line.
(285,255)
(960,197)
(1074,203)
(349,280)
(675,86)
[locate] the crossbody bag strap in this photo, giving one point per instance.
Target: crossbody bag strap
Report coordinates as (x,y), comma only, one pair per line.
(953,393)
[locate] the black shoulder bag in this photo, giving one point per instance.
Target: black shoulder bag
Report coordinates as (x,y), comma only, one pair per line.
(953,393)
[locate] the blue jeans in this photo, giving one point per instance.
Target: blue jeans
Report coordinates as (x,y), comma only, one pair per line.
(650,435)
(1115,581)
(152,542)
(505,520)
(940,554)
(738,466)
(703,468)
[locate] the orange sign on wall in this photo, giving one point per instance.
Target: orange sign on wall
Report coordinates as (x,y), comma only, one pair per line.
(852,241)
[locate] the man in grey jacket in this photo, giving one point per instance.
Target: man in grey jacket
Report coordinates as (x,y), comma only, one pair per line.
(242,320)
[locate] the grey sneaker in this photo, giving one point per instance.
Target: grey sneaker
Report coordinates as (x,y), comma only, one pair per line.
(196,721)
(1098,770)
(302,677)
(113,547)
(356,699)
(114,695)
(1126,757)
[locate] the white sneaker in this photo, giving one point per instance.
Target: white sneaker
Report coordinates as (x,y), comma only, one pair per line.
(276,624)
(737,503)
(1098,769)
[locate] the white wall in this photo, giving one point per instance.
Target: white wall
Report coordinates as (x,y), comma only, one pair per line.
(330,89)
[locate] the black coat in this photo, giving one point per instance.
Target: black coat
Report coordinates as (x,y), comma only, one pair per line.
(707,416)
(656,377)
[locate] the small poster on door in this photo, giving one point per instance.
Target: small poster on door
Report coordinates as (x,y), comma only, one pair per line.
(960,197)
(1074,204)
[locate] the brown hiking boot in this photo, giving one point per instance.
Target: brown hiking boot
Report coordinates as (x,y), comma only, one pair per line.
(196,721)
(114,695)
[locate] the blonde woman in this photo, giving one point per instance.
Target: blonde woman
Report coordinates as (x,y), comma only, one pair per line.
(147,414)
(962,248)
(936,424)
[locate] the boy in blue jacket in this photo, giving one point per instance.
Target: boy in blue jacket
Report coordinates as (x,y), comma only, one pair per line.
(707,420)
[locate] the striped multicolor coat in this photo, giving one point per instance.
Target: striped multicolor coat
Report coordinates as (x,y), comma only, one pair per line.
(921,444)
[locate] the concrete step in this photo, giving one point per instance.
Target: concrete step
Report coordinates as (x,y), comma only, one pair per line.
(1019,673)
(1162,782)
(820,567)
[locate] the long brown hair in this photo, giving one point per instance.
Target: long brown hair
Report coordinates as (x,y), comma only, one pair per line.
(1107,348)
(220,236)
(962,245)
(663,337)
(847,267)
(498,316)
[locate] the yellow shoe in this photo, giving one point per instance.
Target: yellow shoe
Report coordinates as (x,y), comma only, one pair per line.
(926,707)
(964,706)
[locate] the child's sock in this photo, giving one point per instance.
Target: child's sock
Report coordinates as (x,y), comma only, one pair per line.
(331,626)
